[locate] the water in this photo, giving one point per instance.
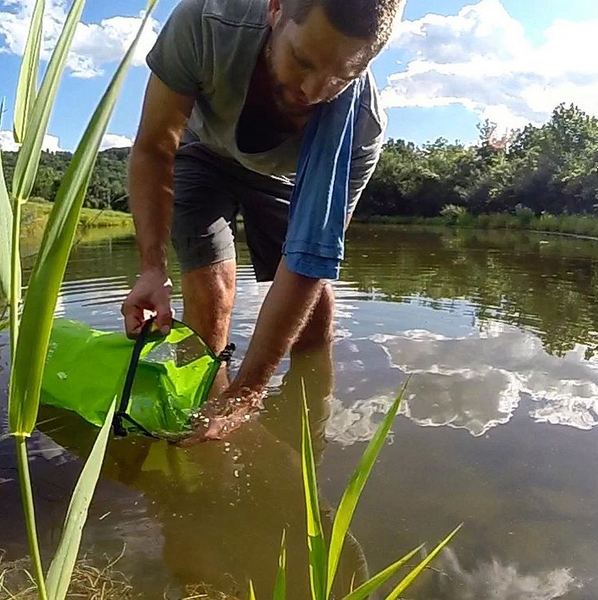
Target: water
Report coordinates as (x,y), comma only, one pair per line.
(498,332)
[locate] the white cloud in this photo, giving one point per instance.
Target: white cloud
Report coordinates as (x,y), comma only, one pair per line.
(95,45)
(7,143)
(114,140)
(482,59)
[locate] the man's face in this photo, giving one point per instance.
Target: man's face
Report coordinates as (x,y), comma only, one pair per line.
(311,63)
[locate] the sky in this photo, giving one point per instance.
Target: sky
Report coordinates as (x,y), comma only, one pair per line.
(449,65)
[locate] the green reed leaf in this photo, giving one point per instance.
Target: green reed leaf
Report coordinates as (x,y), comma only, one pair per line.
(5,234)
(371,585)
(50,265)
(61,569)
(251,591)
(348,502)
(38,117)
(280,587)
(315,536)
(27,86)
(407,581)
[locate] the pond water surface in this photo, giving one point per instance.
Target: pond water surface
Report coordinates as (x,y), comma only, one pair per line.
(498,430)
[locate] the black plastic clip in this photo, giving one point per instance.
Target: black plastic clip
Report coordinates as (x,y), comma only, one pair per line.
(227,353)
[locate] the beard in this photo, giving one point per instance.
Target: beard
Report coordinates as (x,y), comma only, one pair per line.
(279,90)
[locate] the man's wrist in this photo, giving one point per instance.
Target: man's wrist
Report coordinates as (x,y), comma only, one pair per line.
(155,270)
(154,261)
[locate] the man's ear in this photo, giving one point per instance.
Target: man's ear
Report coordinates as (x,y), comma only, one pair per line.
(274,12)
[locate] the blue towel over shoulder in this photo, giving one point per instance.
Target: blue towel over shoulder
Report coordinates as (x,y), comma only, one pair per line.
(315,241)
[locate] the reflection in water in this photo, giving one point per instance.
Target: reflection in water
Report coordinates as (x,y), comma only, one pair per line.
(495,329)
(500,581)
(449,373)
(541,282)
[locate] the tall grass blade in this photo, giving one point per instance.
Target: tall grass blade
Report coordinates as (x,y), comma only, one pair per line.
(50,265)
(315,536)
(251,591)
(280,586)
(61,569)
(5,233)
(371,585)
(29,513)
(407,581)
(27,86)
(10,260)
(348,502)
(29,155)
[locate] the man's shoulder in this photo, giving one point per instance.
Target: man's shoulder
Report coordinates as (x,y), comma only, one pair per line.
(372,118)
(234,13)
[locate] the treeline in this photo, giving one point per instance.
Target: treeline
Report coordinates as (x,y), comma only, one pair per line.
(552,169)
(547,170)
(108,186)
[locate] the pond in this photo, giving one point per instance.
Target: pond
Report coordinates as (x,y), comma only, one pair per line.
(498,332)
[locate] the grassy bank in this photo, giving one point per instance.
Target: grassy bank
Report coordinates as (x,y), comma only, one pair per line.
(564,224)
(35,216)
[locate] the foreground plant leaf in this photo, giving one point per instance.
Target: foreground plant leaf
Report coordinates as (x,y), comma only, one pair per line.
(351,495)
(315,536)
(407,581)
(5,232)
(61,569)
(280,587)
(38,117)
(50,265)
(27,86)
(251,591)
(371,585)
(10,259)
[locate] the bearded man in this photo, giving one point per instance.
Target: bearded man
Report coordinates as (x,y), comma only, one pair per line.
(234,86)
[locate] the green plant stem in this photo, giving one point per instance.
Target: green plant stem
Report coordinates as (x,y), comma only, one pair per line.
(28,507)
(15,279)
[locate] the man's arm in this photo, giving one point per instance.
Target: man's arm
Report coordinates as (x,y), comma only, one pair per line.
(369,137)
(165,114)
(283,316)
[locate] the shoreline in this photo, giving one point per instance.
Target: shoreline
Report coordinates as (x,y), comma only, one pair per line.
(35,217)
(573,226)
(36,213)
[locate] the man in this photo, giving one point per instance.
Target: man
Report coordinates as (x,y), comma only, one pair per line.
(233,86)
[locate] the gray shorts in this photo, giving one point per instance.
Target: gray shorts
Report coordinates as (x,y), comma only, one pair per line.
(209,193)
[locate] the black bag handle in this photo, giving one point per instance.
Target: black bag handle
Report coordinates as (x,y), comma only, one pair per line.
(121,413)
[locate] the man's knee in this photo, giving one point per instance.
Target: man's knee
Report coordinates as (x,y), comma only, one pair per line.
(208,298)
(210,285)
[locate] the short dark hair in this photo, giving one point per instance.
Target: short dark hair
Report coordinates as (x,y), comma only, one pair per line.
(370,20)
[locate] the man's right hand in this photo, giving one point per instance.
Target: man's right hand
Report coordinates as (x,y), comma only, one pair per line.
(150,297)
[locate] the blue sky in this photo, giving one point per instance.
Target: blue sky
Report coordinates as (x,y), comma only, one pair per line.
(451,63)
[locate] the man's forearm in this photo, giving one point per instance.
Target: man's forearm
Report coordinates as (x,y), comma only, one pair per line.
(283,316)
(150,200)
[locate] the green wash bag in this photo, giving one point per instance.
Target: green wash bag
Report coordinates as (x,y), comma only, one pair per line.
(159,381)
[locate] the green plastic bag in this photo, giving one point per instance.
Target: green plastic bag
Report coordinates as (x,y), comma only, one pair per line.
(159,381)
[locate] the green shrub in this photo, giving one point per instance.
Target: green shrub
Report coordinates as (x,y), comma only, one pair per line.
(451,213)
(524,216)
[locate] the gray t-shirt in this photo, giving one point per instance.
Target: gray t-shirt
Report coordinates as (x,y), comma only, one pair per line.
(209,49)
